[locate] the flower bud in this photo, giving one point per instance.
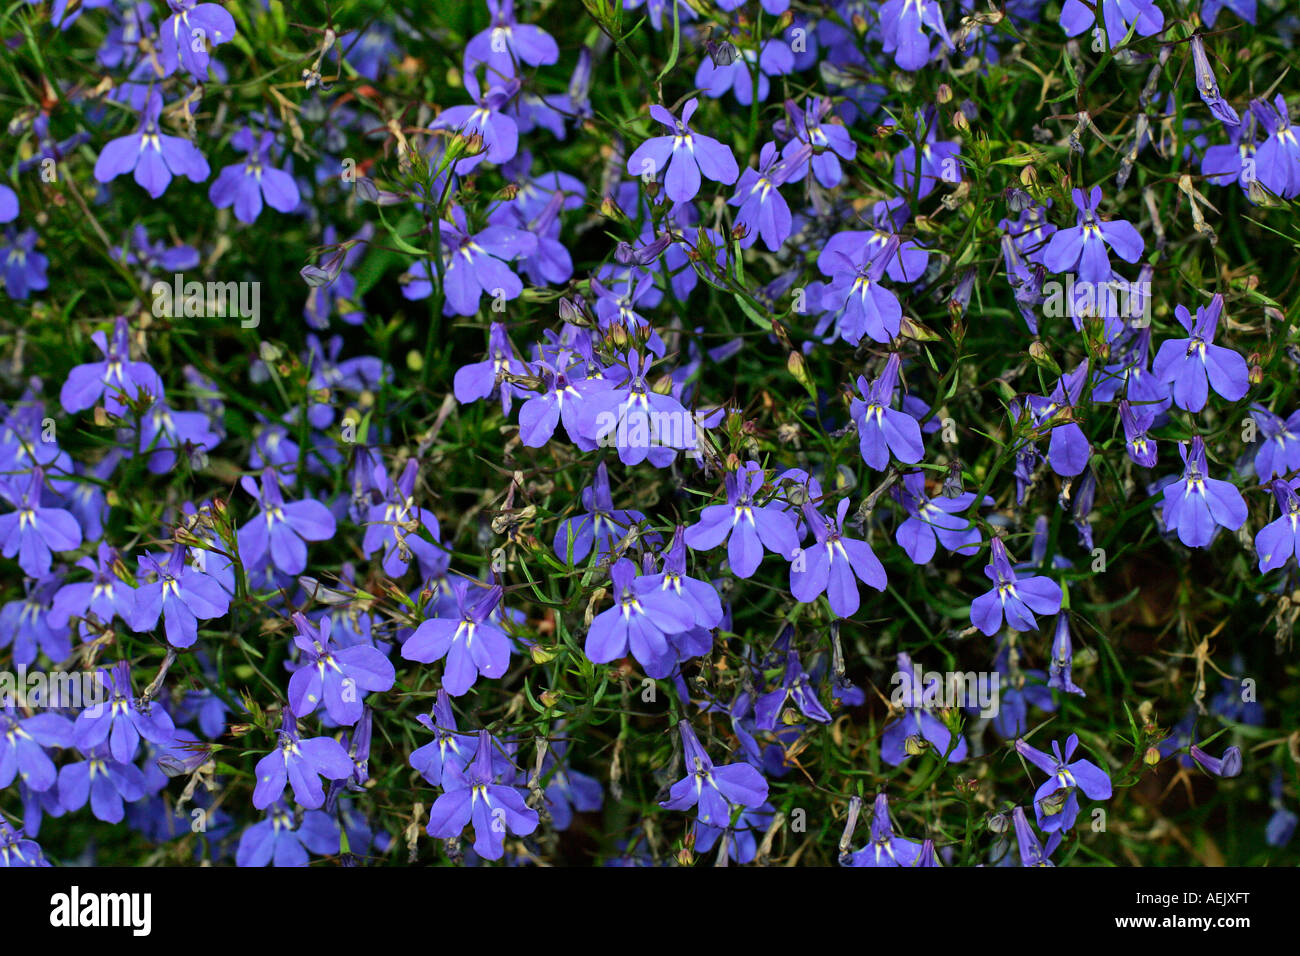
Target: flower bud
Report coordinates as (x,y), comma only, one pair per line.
(1039,355)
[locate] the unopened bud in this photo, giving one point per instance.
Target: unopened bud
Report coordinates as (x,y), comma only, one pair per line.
(611,210)
(797,367)
(1039,355)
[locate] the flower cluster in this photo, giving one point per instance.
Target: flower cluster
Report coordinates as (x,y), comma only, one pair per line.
(563,408)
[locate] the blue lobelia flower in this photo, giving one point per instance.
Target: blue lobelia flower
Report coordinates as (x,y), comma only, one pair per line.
(187,36)
(1021,688)
(796,687)
(165,432)
(919,729)
(1068,450)
(1207,84)
(623,291)
(1143,16)
(1130,376)
(23,742)
(551,263)
(281,530)
(885,848)
(1031,229)
(1026,281)
(742,836)
(448,748)
(478,380)
(506,43)
(245,185)
(121,720)
(1140,448)
(748,74)
(1059,676)
(1032,853)
(473,264)
(1234,161)
(599,528)
(1281,826)
(713,789)
(834,564)
(22,267)
(640,621)
(181,594)
(907,260)
(393,524)
(1245,9)
(1082,249)
(866,307)
(278,841)
(103,780)
(1194,365)
(1277,159)
(117,379)
(1016,598)
(830,141)
(927,858)
(568,791)
(33,531)
(328,373)
(699,597)
(486,119)
(153,156)
(1279,540)
(1229,765)
(561,400)
(883,429)
(1279,443)
(341,676)
(301,763)
(903,24)
(763,212)
(745,525)
(472,644)
(683,156)
(932,521)
(1196,504)
(474,795)
(1056,802)
(640,422)
(30,627)
(16,850)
